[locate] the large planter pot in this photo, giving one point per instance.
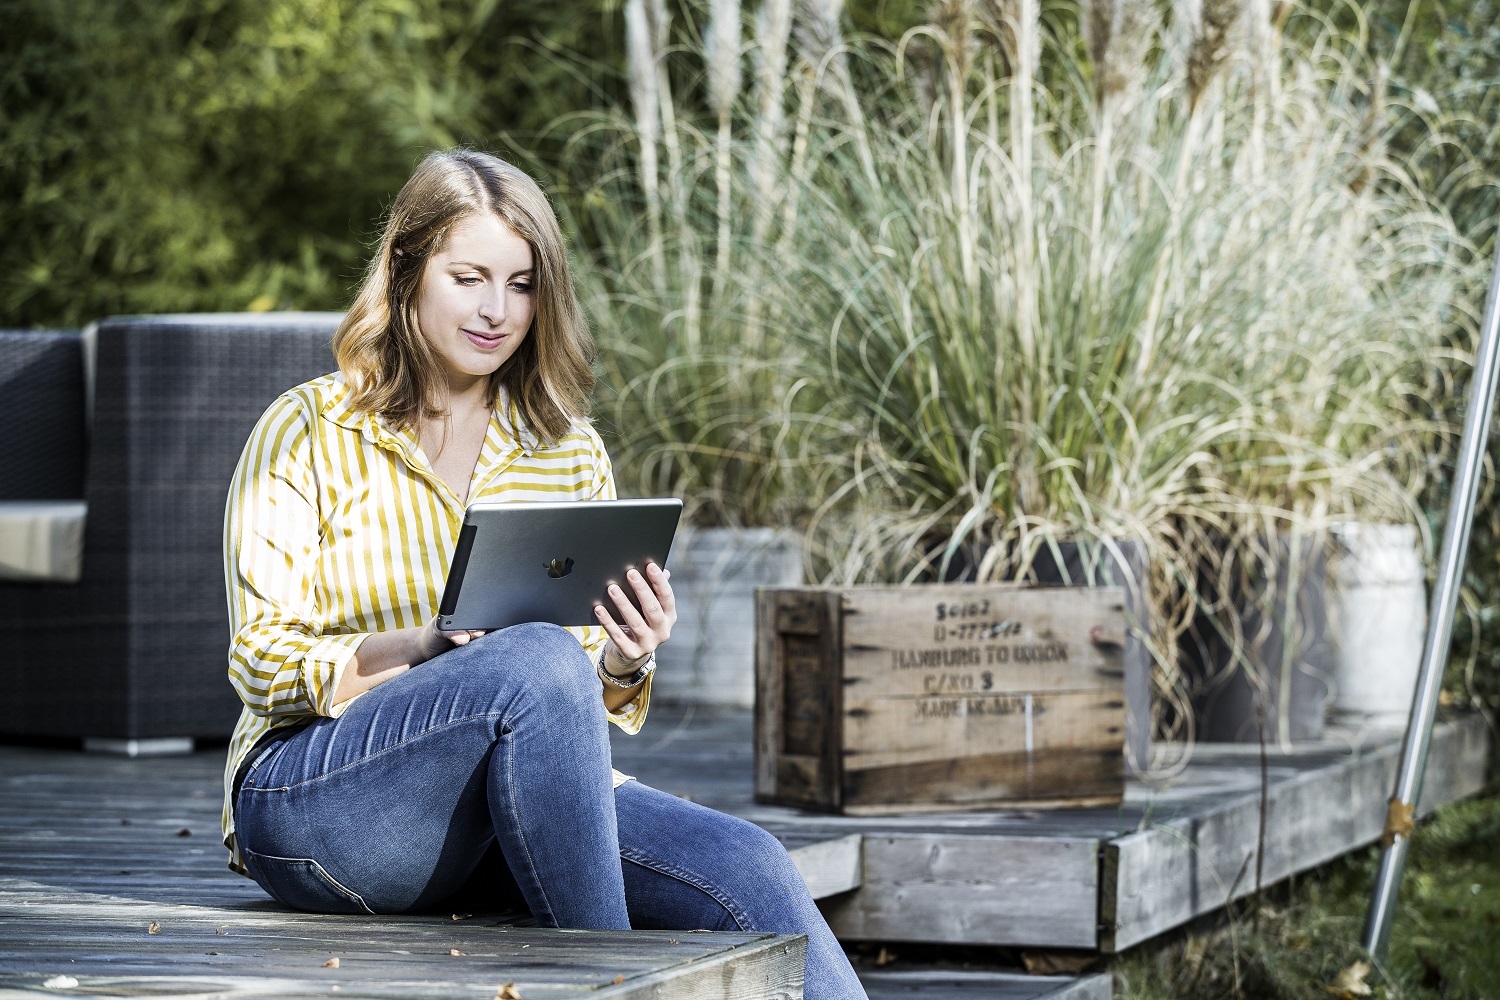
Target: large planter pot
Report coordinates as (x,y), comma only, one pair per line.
(1279,685)
(1380,618)
(710,659)
(1092,564)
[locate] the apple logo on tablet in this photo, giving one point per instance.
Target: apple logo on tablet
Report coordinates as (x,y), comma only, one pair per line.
(558,568)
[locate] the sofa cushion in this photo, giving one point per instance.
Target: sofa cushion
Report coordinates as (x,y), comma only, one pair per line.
(41,541)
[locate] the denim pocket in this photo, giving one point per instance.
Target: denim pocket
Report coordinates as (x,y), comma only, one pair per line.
(303,884)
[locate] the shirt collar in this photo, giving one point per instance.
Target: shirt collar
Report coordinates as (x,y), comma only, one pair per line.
(510,414)
(337,408)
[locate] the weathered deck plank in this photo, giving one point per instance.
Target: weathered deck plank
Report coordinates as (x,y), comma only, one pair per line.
(91,851)
(1182,866)
(1078,878)
(99,883)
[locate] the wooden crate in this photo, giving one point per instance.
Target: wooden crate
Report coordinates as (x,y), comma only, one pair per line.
(874,700)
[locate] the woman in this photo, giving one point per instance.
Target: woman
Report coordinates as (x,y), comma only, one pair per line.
(382,765)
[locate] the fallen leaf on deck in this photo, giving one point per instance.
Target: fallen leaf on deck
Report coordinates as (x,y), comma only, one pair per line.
(455,951)
(335,988)
(60,983)
(332,963)
(462,916)
(508,992)
(184,832)
(124,822)
(671,940)
(617,980)
(1351,982)
(221,931)
(153,928)
(884,958)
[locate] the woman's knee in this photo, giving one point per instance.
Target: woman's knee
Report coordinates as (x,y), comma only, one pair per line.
(759,852)
(546,660)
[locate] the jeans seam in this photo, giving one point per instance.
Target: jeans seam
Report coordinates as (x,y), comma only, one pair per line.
(320,872)
(378,753)
(517,826)
(741,919)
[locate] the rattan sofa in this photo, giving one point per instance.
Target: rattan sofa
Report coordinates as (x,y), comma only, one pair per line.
(143,418)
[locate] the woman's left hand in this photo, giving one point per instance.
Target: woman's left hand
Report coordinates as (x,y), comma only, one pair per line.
(635,635)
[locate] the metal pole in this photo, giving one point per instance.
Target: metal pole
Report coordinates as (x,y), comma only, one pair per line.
(1439,627)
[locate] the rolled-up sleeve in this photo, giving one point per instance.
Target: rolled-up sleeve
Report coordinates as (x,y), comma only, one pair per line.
(280,659)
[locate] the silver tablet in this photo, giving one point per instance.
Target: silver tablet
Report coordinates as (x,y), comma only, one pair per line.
(550,562)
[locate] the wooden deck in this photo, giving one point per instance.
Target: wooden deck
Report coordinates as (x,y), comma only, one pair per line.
(1096,879)
(112,876)
(113,883)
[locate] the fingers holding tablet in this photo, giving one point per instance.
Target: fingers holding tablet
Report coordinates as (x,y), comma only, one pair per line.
(638,627)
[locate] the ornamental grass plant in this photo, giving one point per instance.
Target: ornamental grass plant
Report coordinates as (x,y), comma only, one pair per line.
(1031,274)
(697,390)
(1177,292)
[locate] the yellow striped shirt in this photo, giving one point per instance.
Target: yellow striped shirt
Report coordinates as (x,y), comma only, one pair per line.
(336,527)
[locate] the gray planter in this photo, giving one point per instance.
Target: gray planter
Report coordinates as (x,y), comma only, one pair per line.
(710,659)
(1281,683)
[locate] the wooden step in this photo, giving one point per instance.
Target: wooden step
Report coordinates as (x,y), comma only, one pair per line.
(1095,879)
(112,875)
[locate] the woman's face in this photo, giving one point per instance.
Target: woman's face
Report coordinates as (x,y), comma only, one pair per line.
(477,298)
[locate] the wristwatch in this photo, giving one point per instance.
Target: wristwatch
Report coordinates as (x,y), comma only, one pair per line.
(629,680)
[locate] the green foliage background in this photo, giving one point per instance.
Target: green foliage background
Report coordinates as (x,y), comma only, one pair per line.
(200,154)
(165,155)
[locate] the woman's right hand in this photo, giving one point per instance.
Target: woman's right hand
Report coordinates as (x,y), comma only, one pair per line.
(383,655)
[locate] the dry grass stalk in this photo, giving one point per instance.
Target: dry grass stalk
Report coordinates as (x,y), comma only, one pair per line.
(1002,18)
(721,54)
(1117,33)
(640,61)
(1210,45)
(1372,125)
(953,27)
(954,23)
(773,28)
(820,37)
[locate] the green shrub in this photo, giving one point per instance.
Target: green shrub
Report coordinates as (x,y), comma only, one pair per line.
(166,156)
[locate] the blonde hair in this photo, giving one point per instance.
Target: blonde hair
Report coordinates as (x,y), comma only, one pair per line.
(390,367)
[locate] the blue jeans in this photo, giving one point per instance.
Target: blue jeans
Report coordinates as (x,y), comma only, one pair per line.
(499,750)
